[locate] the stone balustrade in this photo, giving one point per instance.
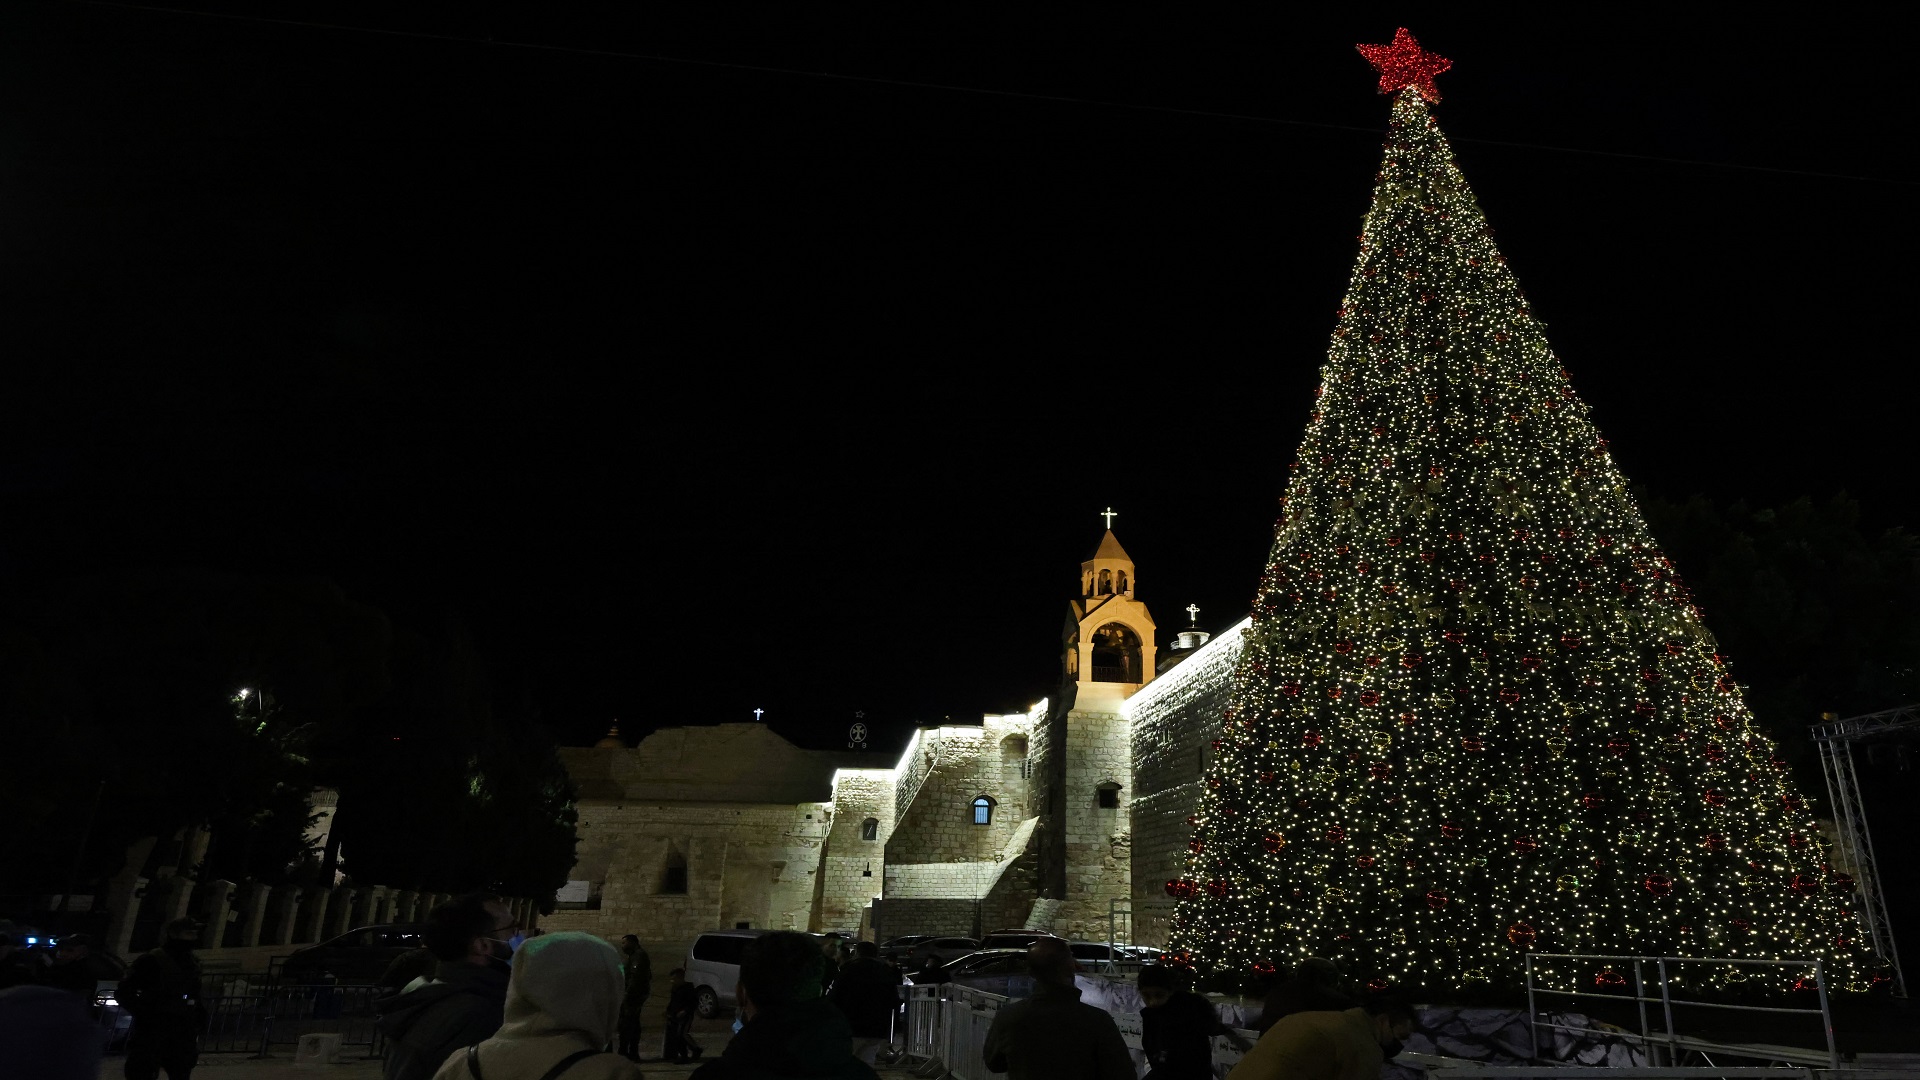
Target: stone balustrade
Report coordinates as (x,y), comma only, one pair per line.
(256,916)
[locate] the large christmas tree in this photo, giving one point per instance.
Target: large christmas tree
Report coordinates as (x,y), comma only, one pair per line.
(1478,712)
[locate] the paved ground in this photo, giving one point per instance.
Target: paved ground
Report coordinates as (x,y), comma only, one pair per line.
(230,1067)
(711,1034)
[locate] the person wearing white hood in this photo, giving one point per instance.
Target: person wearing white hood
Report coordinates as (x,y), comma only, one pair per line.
(563,1005)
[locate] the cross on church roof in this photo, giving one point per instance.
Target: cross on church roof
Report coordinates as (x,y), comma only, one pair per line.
(1193,614)
(1109,515)
(756,715)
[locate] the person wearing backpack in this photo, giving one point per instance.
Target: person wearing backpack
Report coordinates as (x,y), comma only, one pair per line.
(563,1007)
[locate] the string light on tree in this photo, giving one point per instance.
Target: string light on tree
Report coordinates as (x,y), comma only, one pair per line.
(1477,713)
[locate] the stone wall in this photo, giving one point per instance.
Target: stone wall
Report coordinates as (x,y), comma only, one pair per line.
(1096,841)
(852,868)
(1173,721)
(943,773)
(753,863)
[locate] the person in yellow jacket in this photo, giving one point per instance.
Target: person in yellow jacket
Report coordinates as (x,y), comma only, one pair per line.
(1324,1045)
(563,1005)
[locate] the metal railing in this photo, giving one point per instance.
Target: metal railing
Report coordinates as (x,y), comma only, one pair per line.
(1670,1038)
(264,1015)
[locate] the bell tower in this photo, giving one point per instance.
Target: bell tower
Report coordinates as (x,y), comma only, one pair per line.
(1109,648)
(1081,755)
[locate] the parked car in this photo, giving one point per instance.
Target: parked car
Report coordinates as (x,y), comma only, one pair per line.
(1096,954)
(997,971)
(942,949)
(357,956)
(1016,939)
(901,948)
(713,968)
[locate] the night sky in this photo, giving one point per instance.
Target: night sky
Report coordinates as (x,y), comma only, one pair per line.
(694,386)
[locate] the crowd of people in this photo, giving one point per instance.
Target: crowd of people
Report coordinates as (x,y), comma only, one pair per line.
(485,999)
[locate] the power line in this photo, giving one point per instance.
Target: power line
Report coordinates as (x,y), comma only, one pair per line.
(1172,110)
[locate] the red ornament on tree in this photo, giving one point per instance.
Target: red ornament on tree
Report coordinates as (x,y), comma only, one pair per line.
(1525,845)
(1521,934)
(1273,842)
(1451,829)
(1659,884)
(1403,64)
(1436,899)
(1310,738)
(1714,798)
(1218,888)
(1336,835)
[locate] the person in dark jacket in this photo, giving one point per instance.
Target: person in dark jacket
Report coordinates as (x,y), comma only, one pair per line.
(683,1004)
(467,999)
(13,966)
(1053,1035)
(790,1031)
(46,1035)
(638,968)
(73,968)
(1177,1027)
(161,993)
(867,993)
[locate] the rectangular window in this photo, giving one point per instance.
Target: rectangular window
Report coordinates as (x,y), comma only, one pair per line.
(1109,798)
(870,829)
(675,881)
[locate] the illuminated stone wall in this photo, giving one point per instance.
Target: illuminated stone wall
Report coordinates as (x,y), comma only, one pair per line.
(745,862)
(852,869)
(1173,722)
(1095,842)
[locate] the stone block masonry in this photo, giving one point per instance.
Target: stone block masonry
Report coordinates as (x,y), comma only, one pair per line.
(1173,722)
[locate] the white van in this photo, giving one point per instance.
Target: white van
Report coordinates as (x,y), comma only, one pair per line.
(713,967)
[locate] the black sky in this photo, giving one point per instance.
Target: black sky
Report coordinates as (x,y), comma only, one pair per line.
(694,387)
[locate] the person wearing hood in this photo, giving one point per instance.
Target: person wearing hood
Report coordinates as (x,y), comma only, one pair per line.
(472,938)
(563,1007)
(161,993)
(791,1031)
(1053,1035)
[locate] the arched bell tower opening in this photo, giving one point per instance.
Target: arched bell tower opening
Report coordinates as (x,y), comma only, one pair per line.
(1116,654)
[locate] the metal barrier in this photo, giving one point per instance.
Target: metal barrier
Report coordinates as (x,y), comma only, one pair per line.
(1669,1039)
(266,1016)
(922,1024)
(966,1017)
(346,1011)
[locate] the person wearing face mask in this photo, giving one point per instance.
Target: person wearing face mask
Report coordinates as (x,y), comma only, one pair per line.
(1326,1045)
(472,939)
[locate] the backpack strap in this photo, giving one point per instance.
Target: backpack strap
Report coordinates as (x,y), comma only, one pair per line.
(473,1062)
(565,1063)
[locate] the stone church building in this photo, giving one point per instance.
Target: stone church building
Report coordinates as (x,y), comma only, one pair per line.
(1052,819)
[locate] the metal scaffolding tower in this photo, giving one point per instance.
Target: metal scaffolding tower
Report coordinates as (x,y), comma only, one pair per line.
(1835,738)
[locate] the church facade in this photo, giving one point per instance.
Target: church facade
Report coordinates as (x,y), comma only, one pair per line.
(1069,817)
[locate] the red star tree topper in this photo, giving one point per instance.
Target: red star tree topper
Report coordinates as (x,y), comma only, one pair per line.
(1403,64)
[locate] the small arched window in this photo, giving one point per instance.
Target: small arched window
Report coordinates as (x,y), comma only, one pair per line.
(1109,796)
(870,829)
(983,811)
